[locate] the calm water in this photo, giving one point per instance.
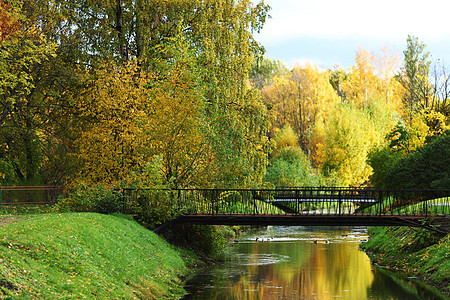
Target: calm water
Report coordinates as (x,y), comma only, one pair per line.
(300,263)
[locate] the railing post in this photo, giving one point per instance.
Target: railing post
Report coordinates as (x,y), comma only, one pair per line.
(380,200)
(255,211)
(216,198)
(340,201)
(425,204)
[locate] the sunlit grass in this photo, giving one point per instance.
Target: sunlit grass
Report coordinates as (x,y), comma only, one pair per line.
(413,250)
(86,255)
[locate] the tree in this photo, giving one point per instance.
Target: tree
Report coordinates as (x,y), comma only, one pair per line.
(289,166)
(281,97)
(315,100)
(414,76)
(365,63)
(388,63)
(349,136)
(74,94)
(427,168)
(301,99)
(130,118)
(337,78)
(264,70)
(24,49)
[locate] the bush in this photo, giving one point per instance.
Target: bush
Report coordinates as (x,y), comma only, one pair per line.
(428,167)
(97,198)
(381,161)
(154,207)
(290,167)
(206,240)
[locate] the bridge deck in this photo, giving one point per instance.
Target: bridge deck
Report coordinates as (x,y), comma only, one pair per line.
(303,220)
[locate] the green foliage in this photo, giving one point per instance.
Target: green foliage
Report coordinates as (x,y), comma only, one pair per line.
(415,76)
(428,167)
(381,160)
(7,176)
(350,135)
(291,168)
(264,70)
(87,255)
(209,239)
(96,198)
(398,138)
(286,138)
(154,207)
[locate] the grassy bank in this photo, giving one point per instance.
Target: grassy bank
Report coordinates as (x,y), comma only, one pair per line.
(87,255)
(414,251)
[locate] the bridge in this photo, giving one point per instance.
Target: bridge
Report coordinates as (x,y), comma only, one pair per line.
(305,206)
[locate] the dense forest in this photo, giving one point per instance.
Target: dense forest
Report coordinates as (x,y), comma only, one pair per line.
(126,93)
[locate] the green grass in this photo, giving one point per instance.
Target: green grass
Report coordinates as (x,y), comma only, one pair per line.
(414,251)
(86,255)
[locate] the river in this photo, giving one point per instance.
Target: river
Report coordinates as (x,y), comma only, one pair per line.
(303,263)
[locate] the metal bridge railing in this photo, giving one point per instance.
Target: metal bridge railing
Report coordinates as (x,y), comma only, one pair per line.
(301,201)
(13,195)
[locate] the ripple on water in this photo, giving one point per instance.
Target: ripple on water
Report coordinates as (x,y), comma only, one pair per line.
(259,259)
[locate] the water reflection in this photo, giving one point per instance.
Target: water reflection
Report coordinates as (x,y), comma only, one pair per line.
(294,263)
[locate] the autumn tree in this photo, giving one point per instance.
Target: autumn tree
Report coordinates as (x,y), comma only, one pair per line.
(289,166)
(24,49)
(388,64)
(301,99)
(414,76)
(232,135)
(281,97)
(264,70)
(361,82)
(365,63)
(349,136)
(338,76)
(315,100)
(75,95)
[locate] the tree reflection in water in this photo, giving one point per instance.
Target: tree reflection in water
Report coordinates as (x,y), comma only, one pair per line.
(296,264)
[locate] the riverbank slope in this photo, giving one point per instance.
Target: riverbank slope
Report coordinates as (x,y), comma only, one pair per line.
(413,251)
(88,255)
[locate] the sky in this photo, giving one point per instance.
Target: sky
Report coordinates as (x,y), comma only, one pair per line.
(328,32)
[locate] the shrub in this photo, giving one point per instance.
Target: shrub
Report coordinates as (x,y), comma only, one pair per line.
(154,207)
(290,167)
(426,168)
(381,161)
(97,198)
(206,240)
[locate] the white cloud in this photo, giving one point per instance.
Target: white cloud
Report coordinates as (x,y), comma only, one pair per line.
(341,19)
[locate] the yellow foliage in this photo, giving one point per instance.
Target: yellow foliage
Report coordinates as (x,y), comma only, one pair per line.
(131,116)
(301,99)
(286,138)
(349,136)
(111,140)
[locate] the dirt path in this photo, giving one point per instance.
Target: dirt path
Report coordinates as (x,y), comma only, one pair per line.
(5,220)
